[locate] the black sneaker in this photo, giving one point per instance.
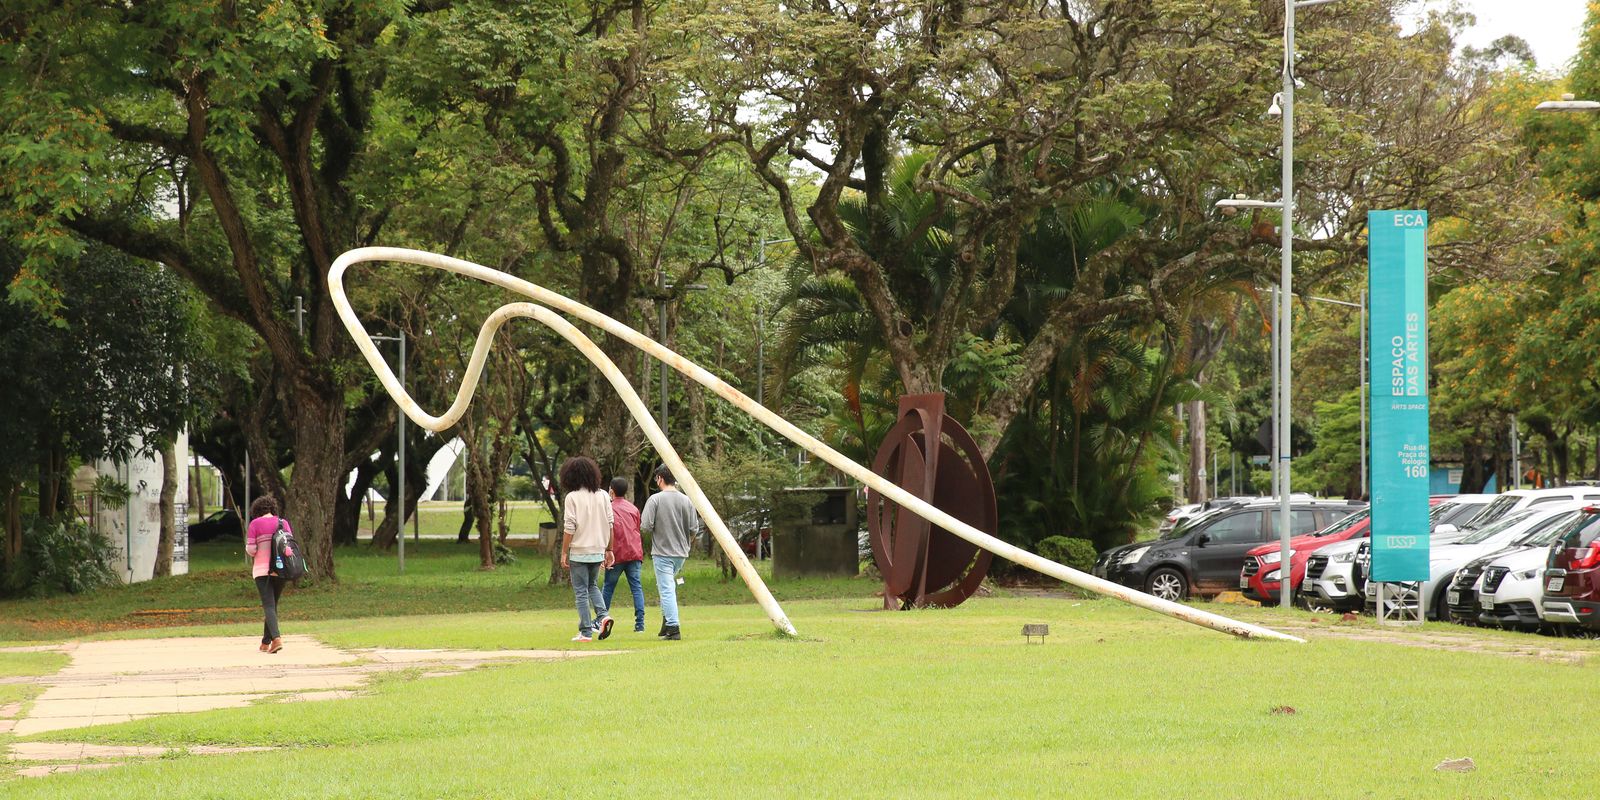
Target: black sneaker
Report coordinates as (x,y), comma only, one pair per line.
(671,633)
(605,626)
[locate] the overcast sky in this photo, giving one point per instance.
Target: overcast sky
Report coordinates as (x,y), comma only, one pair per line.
(1550,26)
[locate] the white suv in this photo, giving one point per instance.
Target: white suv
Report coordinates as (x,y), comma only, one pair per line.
(1444,560)
(1511,589)
(1332,578)
(1518,499)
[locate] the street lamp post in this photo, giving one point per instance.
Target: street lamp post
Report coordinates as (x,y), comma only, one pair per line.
(1285,297)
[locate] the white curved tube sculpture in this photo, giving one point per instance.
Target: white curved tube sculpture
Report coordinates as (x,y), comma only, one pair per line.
(698,374)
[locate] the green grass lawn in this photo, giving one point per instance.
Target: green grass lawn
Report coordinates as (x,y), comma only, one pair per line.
(441,578)
(1117,703)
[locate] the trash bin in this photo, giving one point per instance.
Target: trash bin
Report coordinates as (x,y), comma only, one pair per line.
(545,540)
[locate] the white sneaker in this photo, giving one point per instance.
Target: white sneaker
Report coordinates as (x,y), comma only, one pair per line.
(582,638)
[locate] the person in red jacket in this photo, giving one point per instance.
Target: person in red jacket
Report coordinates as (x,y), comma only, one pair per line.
(626,549)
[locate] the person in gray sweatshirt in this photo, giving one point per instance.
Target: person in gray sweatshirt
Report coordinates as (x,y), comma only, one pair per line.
(670,519)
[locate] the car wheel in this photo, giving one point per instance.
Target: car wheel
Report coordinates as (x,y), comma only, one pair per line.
(1167,584)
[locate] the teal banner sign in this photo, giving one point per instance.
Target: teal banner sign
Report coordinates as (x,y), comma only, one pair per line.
(1397,294)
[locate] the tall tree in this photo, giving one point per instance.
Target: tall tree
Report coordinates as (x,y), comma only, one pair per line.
(236,136)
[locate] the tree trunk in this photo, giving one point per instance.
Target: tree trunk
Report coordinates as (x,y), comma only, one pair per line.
(1196,479)
(169,523)
(697,420)
(393,525)
(316,479)
(347,507)
(197,495)
(13,524)
(1472,473)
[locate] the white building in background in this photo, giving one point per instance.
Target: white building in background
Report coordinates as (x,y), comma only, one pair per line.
(135,529)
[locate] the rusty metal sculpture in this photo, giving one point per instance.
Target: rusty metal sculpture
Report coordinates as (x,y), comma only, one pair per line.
(929,454)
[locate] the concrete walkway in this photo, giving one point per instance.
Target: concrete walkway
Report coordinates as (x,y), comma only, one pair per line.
(117,681)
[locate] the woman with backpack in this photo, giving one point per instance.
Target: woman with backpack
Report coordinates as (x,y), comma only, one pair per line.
(264,523)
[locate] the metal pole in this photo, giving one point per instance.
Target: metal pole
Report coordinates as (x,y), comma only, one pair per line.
(244,513)
(1516,456)
(299,315)
(1366,493)
(1285,450)
(1276,396)
(400,491)
(661,336)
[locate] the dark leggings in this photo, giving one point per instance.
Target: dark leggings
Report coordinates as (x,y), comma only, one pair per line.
(271,588)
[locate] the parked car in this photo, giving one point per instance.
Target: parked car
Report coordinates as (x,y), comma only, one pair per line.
(1335,576)
(219,524)
(1178,515)
(1182,514)
(1260,580)
(1510,591)
(1458,510)
(1529,551)
(1203,557)
(1572,575)
(1518,499)
(1445,560)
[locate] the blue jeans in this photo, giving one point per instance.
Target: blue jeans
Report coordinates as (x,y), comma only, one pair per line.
(666,568)
(631,569)
(586,590)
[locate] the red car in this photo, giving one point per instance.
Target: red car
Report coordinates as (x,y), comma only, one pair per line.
(1572,575)
(1259,580)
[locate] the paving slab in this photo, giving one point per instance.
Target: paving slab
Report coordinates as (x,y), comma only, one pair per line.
(108,682)
(145,656)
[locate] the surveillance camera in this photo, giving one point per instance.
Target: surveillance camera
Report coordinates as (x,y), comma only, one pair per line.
(1275,110)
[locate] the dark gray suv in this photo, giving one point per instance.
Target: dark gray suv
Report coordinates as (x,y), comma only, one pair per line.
(1203,557)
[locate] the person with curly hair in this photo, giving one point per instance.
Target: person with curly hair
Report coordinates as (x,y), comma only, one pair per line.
(586,542)
(264,522)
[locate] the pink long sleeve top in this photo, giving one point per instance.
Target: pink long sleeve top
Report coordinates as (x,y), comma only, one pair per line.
(258,543)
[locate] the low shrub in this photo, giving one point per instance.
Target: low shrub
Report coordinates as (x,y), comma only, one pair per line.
(59,556)
(1073,552)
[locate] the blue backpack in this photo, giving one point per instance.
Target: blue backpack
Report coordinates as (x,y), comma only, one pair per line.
(288,560)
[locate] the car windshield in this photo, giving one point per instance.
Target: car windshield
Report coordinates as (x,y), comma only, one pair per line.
(1545,533)
(1345,524)
(1497,527)
(1494,511)
(1583,532)
(1438,511)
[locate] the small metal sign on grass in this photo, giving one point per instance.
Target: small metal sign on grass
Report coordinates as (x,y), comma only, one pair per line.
(1033,629)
